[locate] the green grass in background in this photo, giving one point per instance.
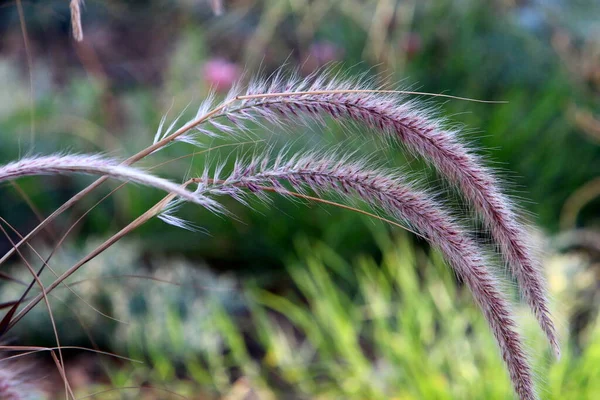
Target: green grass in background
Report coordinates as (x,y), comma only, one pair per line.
(398,328)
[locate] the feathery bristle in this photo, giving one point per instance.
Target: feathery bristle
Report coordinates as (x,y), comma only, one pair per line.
(389,193)
(96,165)
(313,98)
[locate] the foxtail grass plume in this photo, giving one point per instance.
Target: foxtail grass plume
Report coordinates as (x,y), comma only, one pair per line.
(18,383)
(391,115)
(97,165)
(388,192)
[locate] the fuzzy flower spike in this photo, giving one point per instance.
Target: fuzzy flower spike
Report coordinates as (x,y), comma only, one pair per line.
(387,192)
(96,165)
(389,114)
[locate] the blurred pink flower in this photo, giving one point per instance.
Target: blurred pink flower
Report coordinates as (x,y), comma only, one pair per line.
(221,74)
(411,44)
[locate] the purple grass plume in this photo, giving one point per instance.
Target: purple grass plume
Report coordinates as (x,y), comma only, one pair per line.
(18,383)
(388,193)
(391,115)
(97,165)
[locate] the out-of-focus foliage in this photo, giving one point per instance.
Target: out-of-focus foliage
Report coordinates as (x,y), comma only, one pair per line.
(136,296)
(397,328)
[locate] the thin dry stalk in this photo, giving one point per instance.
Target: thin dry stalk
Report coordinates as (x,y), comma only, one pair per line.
(28,54)
(217,6)
(152,212)
(75,7)
(59,363)
(577,201)
(45,264)
(30,350)
(63,375)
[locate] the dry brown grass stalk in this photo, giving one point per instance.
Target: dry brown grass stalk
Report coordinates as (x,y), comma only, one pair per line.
(75,7)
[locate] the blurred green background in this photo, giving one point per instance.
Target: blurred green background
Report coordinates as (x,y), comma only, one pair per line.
(295,300)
